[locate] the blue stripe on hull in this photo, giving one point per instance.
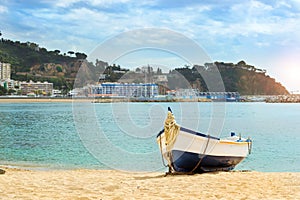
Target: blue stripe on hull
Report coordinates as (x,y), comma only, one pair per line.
(186,161)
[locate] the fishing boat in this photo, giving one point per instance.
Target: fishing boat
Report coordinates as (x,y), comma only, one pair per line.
(189,151)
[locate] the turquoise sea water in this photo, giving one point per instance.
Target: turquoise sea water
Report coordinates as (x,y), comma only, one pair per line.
(123,135)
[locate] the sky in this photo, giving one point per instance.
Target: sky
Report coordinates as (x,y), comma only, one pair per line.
(265,34)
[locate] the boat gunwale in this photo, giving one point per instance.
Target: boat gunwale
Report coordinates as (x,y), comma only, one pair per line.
(191,132)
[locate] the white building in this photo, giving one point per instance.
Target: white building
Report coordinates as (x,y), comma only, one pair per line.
(132,90)
(38,88)
(5,71)
(56,93)
(160,78)
(8,83)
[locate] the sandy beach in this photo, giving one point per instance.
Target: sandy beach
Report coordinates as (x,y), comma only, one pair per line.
(59,100)
(33,100)
(108,184)
(42,100)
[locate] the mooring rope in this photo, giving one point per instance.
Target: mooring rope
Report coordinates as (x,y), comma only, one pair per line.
(200,160)
(162,157)
(171,130)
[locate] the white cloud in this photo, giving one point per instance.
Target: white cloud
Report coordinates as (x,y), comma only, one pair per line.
(259,5)
(68,3)
(61,3)
(208,23)
(3,9)
(106,2)
(249,19)
(282,4)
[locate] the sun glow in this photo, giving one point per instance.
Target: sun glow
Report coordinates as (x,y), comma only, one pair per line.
(293,76)
(286,69)
(290,75)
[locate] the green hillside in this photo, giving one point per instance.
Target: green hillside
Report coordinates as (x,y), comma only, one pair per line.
(31,62)
(241,77)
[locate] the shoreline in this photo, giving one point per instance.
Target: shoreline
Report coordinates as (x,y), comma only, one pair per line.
(113,184)
(101,100)
(42,100)
(107,100)
(92,100)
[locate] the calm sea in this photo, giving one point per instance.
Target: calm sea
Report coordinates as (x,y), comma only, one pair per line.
(123,135)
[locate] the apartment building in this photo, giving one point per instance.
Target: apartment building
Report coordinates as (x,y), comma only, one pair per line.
(131,90)
(38,88)
(5,71)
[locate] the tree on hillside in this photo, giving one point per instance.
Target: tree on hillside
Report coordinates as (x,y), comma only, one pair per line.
(80,55)
(57,52)
(138,70)
(241,63)
(71,52)
(159,71)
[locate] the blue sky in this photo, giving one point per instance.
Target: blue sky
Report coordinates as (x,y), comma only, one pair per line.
(262,33)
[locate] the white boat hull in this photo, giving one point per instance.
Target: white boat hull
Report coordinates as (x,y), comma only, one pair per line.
(197,152)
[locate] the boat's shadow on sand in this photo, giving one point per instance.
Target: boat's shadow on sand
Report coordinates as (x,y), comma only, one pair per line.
(187,174)
(2,171)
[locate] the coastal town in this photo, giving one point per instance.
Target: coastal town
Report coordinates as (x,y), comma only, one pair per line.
(156,90)
(28,70)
